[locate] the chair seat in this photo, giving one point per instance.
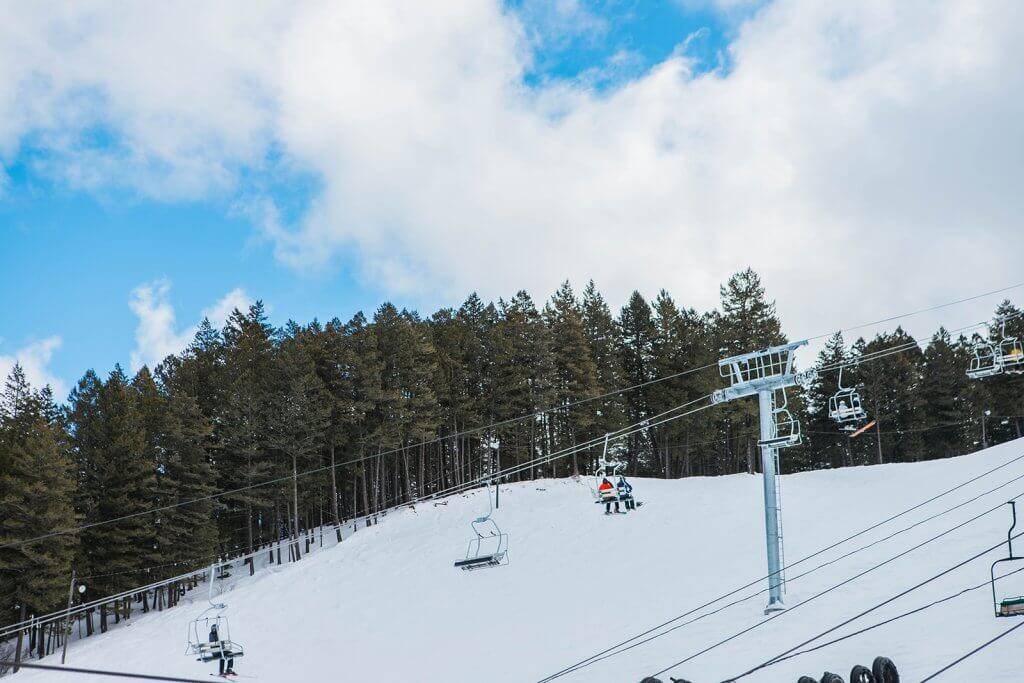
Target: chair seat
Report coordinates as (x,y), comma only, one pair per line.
(224,649)
(1013,607)
(482,561)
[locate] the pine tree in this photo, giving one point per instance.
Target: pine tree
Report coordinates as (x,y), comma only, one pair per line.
(151,411)
(1005,390)
(335,364)
(423,412)
(449,337)
(297,419)
(748,322)
(188,533)
(366,391)
(605,342)
(523,369)
(36,499)
(680,345)
(891,394)
(828,445)
(944,399)
(109,439)
(638,332)
(575,373)
(244,458)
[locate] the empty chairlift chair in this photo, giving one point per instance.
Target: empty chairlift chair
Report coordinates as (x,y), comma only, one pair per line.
(986,360)
(489,548)
(785,430)
(1008,605)
(209,636)
(845,406)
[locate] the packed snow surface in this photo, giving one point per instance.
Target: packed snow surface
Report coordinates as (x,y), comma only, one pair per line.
(387,604)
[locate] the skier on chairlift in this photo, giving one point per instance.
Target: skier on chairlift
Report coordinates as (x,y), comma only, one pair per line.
(607,492)
(625,492)
(215,643)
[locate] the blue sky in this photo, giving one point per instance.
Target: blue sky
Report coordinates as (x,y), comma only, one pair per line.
(162,161)
(84,251)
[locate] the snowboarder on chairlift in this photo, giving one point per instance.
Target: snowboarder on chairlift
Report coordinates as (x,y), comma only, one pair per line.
(625,491)
(215,642)
(607,492)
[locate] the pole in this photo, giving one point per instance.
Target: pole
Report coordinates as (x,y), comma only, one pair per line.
(295,500)
(21,637)
(497,490)
(878,433)
(67,620)
(772,523)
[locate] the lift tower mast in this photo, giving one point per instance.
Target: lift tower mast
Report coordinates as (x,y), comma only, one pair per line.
(767,373)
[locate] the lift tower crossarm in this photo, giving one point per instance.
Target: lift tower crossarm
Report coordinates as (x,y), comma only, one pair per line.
(757,371)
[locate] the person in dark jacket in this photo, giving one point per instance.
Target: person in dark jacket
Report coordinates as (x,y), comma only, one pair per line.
(218,648)
(625,491)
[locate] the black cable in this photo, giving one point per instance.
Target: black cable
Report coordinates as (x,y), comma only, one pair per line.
(885,622)
(617,652)
(872,527)
(887,600)
(923,310)
(70,530)
(972,652)
(838,586)
(102,672)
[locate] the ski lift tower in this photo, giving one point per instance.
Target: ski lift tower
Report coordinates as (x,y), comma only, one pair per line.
(767,373)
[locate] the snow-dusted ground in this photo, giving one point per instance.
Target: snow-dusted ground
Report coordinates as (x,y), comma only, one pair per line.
(387,605)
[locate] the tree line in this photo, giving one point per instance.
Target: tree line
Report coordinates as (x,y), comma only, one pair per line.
(345,419)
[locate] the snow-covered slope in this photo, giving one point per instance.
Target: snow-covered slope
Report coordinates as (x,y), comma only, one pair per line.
(387,605)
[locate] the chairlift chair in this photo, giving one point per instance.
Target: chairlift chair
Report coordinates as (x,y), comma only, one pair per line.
(785,429)
(200,645)
(606,468)
(845,406)
(203,649)
(986,360)
(489,548)
(994,357)
(1012,606)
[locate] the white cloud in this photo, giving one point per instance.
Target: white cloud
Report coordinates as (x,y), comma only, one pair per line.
(557,23)
(864,157)
(35,361)
(156,335)
(219,312)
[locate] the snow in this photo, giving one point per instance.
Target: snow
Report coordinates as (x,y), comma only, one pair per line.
(387,604)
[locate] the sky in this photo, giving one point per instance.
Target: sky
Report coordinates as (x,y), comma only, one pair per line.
(162,163)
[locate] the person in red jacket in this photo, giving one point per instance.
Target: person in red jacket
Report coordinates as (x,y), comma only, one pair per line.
(607,492)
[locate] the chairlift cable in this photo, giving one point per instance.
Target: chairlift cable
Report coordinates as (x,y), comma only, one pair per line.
(101,672)
(325,468)
(972,652)
(615,649)
(888,600)
(922,310)
(890,620)
(899,348)
(642,425)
